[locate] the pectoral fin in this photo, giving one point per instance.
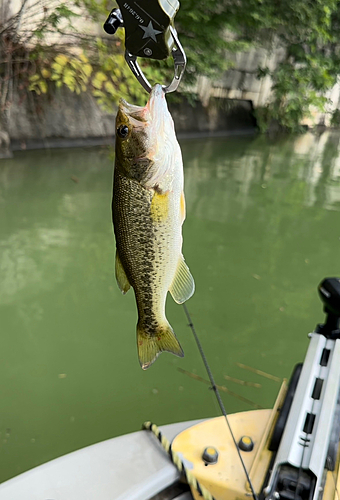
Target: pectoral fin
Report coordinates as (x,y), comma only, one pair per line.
(121,277)
(183,285)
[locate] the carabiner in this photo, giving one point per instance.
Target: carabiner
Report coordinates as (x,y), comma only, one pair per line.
(180,62)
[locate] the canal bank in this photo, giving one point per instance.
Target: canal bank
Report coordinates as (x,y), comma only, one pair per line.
(65,119)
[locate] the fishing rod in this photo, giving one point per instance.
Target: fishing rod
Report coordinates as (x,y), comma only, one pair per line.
(218,396)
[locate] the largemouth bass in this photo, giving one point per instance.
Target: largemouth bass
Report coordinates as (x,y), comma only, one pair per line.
(148,212)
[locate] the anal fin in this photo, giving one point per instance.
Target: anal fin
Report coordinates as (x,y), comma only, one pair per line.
(121,277)
(183,285)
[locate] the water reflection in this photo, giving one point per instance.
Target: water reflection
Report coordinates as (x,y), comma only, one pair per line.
(306,170)
(42,210)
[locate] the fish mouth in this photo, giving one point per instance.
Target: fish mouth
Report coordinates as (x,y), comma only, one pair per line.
(156,105)
(154,110)
(136,113)
(160,119)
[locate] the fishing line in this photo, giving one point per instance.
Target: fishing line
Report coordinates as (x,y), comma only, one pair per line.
(218,396)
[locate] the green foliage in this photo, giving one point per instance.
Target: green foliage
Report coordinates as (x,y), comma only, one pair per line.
(307,31)
(296,90)
(78,61)
(100,69)
(72,71)
(202,26)
(309,34)
(114,79)
(336,118)
(52,20)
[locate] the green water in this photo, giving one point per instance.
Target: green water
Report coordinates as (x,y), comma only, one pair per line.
(262,230)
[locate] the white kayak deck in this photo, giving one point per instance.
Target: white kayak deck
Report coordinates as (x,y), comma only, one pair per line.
(129,467)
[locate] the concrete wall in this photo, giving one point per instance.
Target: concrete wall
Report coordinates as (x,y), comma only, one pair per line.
(66,118)
(63,115)
(241,82)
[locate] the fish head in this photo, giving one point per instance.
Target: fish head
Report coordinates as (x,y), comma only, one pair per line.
(132,140)
(145,139)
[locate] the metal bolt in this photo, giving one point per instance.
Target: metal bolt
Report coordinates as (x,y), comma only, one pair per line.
(210,455)
(246,443)
(147,51)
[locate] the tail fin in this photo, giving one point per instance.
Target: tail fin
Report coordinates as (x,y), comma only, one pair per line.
(150,346)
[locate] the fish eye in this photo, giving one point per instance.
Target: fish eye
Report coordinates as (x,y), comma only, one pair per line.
(123,131)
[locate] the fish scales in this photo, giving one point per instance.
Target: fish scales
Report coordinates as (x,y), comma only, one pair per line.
(136,241)
(146,244)
(148,212)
